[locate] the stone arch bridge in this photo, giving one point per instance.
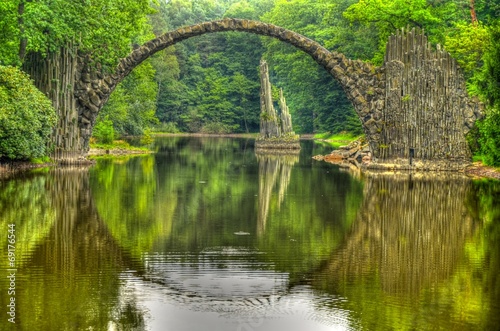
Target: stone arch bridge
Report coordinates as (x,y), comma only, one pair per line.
(414,106)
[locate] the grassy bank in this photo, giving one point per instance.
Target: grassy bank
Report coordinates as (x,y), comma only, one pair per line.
(335,140)
(118,147)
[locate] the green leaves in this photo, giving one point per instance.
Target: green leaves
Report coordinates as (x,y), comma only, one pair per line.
(26,117)
(132,106)
(386,17)
(101,27)
(393,13)
(9,33)
(489,86)
(104,131)
(209,83)
(467,43)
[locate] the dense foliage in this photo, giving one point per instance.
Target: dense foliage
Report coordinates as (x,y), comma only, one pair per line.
(104,131)
(489,85)
(132,106)
(104,29)
(209,83)
(26,117)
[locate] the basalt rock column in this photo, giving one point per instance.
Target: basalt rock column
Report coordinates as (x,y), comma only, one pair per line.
(286,118)
(275,131)
(54,74)
(427,110)
(269,127)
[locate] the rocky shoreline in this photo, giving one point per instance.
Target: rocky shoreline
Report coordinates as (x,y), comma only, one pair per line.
(9,168)
(354,155)
(278,145)
(357,156)
(478,170)
(12,167)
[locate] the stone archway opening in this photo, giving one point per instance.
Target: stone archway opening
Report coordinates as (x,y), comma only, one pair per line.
(413,107)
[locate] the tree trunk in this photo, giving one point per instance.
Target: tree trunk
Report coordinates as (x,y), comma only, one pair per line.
(23,41)
(473,12)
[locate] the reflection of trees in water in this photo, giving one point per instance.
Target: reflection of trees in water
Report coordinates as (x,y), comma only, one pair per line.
(23,203)
(80,264)
(274,169)
(78,234)
(409,234)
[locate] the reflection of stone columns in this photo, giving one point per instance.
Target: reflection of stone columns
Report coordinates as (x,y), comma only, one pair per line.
(82,258)
(78,236)
(68,188)
(272,167)
(409,233)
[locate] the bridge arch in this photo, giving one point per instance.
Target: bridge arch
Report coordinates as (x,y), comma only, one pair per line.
(414,108)
(361,81)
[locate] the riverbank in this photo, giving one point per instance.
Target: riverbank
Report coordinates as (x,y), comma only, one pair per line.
(117,148)
(478,170)
(356,154)
(18,166)
(117,151)
(308,136)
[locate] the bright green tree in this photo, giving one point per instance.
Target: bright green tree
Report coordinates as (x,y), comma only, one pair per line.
(385,17)
(489,86)
(26,117)
(467,43)
(101,27)
(10,33)
(104,131)
(132,105)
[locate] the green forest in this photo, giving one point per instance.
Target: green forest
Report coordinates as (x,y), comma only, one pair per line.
(210,83)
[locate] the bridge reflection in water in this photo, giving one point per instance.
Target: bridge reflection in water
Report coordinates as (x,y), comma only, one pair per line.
(403,254)
(409,231)
(407,252)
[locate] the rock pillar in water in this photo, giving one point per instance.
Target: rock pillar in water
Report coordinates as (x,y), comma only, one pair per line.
(275,131)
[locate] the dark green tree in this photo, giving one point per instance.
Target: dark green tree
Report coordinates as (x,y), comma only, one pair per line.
(209,83)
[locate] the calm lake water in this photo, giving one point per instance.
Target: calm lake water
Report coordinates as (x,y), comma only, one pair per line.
(207,235)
